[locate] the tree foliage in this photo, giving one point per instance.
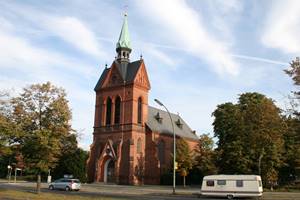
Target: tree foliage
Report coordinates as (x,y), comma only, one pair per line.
(72,163)
(35,126)
(183,155)
(294,72)
(5,125)
(250,135)
(291,168)
(231,157)
(184,158)
(42,117)
(204,159)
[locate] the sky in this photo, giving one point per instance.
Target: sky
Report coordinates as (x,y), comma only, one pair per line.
(198,54)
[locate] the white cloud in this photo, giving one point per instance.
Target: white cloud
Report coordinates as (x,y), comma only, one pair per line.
(69,28)
(186,28)
(19,53)
(16,51)
(76,33)
(282,26)
(31,64)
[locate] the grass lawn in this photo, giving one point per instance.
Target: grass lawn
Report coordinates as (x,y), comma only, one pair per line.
(8,194)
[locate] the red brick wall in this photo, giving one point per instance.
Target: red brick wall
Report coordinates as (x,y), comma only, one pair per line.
(131,167)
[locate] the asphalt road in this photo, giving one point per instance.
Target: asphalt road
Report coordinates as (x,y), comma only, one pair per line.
(141,192)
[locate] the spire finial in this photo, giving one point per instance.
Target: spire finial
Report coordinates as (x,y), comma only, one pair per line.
(141,57)
(124,39)
(123,46)
(125,10)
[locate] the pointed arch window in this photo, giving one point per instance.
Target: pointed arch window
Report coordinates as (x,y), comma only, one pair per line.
(161,151)
(139,146)
(108,111)
(100,117)
(140,110)
(117,110)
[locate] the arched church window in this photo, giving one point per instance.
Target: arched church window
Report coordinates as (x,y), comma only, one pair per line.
(124,54)
(139,146)
(161,151)
(100,112)
(117,110)
(140,110)
(108,111)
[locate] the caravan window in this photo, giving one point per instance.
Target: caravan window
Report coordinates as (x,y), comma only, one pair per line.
(239,183)
(259,183)
(221,182)
(210,183)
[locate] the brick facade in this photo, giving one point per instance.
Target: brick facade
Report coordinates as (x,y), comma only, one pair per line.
(125,148)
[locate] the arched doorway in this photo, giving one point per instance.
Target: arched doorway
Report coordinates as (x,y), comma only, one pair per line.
(109,171)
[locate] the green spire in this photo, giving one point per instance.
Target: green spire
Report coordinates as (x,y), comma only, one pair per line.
(124,40)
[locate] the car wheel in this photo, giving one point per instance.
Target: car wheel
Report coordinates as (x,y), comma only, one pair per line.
(229,196)
(51,187)
(68,188)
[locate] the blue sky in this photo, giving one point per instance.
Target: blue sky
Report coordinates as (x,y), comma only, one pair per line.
(198,53)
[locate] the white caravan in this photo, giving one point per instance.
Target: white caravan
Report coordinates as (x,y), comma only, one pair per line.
(231,186)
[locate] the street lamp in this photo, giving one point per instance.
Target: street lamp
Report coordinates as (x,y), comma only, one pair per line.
(174,144)
(9,172)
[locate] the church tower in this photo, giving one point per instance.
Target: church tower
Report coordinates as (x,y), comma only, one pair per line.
(121,110)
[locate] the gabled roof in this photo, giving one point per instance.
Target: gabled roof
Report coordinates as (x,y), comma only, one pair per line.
(164,125)
(101,79)
(127,70)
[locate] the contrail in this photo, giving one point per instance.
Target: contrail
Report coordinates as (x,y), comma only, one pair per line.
(245,57)
(260,59)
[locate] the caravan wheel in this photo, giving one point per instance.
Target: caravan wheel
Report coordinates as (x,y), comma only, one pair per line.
(229,196)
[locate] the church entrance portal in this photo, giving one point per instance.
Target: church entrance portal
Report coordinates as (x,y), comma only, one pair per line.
(109,171)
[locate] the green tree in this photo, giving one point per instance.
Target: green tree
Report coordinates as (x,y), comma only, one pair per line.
(250,135)
(204,159)
(291,168)
(183,158)
(264,128)
(228,128)
(294,72)
(43,117)
(5,125)
(72,163)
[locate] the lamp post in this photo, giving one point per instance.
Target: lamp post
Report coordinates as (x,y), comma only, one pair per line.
(9,172)
(174,144)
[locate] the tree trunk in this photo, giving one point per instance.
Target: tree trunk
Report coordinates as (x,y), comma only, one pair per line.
(184,181)
(38,184)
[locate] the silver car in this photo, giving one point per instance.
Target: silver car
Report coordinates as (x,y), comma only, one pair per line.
(65,184)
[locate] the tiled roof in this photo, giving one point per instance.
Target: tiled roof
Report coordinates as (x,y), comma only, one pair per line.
(163,125)
(127,70)
(101,79)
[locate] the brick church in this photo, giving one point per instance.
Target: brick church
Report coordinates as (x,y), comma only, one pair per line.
(132,141)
